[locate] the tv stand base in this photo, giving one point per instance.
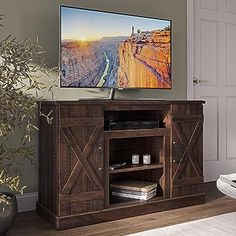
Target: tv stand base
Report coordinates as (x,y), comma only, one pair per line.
(115,213)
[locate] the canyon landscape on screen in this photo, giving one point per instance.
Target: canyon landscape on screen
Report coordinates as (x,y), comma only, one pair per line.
(100,49)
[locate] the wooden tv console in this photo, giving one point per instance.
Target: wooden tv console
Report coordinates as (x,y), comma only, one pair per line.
(75,152)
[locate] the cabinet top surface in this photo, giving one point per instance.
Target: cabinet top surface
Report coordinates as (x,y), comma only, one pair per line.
(119,101)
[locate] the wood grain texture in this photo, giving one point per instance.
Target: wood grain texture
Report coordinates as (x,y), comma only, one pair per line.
(130,168)
(76,151)
(81,188)
(116,212)
(48,162)
(137,133)
(187,145)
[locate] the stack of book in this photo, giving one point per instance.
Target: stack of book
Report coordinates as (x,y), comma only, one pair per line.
(140,190)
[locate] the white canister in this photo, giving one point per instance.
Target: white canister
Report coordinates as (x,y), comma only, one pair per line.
(146,159)
(135,159)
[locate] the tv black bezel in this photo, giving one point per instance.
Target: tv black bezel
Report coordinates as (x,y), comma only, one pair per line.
(118,13)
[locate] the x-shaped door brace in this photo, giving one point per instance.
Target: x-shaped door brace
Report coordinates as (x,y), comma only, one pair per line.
(188,152)
(82,160)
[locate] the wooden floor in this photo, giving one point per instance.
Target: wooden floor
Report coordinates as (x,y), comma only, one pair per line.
(30,224)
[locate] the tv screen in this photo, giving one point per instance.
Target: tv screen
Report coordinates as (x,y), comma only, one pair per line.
(110,50)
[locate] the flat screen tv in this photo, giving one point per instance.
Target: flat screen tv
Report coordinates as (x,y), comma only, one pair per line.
(111,50)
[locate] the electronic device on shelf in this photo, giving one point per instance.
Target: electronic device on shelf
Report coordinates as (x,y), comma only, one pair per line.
(138,124)
(117,165)
(94,55)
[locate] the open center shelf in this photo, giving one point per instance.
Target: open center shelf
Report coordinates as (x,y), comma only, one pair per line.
(123,141)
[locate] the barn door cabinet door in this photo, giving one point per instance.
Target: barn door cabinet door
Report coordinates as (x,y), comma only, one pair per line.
(187,164)
(81,169)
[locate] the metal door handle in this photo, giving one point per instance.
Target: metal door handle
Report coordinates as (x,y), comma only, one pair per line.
(198,81)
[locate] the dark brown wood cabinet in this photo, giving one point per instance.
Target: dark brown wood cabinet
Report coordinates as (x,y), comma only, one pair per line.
(187,156)
(81,169)
(75,152)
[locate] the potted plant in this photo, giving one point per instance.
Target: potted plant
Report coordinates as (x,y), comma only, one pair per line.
(21,71)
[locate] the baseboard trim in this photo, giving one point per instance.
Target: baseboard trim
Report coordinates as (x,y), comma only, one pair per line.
(27,201)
